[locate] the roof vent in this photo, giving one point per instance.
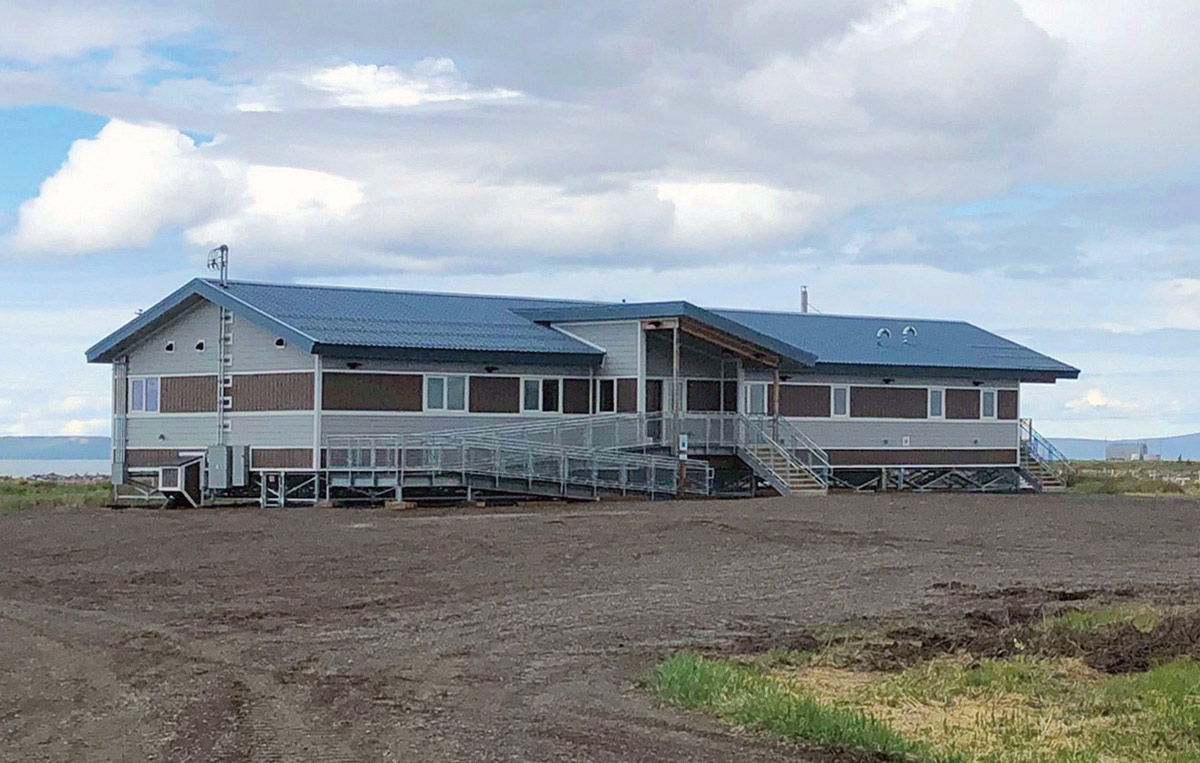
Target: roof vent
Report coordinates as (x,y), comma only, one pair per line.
(910,333)
(882,335)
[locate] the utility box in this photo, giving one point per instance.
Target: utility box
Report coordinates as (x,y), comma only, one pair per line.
(219,460)
(239,473)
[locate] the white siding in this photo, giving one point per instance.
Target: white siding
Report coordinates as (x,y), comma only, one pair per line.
(619,340)
(272,430)
(862,433)
(254,350)
(200,324)
(177,431)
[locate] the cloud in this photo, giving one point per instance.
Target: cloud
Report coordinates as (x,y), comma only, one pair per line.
(432,80)
(39,31)
(120,189)
(1094,399)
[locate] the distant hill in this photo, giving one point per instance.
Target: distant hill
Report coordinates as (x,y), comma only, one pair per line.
(54,448)
(1171,448)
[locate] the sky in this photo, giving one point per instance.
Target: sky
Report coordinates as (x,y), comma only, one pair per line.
(1026,165)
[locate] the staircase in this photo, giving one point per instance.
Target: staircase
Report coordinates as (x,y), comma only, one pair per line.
(1043,466)
(783,456)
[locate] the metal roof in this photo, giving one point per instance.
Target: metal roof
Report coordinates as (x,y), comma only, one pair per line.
(646,310)
(422,325)
(349,321)
(844,341)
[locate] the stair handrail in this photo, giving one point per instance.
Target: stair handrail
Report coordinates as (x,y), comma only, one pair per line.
(757,427)
(1041,449)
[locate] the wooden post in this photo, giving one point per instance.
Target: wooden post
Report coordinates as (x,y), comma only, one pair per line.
(775,403)
(675,396)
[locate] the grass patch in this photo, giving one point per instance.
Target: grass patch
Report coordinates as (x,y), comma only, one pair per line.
(1143,617)
(27,494)
(766,701)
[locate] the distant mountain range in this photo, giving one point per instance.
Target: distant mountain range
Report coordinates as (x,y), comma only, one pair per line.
(55,448)
(1186,446)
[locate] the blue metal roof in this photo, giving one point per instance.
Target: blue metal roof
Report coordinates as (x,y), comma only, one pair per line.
(348,321)
(422,325)
(645,310)
(843,341)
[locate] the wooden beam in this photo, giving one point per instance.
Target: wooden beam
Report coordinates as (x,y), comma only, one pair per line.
(728,342)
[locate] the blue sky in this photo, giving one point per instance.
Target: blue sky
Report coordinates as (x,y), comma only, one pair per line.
(1027,165)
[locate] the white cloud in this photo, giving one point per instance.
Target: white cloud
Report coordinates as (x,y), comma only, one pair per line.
(120,189)
(432,80)
(1095,399)
(708,214)
(40,31)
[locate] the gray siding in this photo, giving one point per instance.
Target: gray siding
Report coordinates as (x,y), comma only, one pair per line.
(178,431)
(254,350)
(619,340)
(290,430)
(407,366)
(695,361)
(863,433)
(198,324)
(377,424)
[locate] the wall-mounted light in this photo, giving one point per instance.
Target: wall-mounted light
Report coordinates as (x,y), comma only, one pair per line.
(888,381)
(655,324)
(491,369)
(784,377)
(977,383)
(353,364)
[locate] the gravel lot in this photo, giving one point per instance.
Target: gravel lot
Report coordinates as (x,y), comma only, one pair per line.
(490,635)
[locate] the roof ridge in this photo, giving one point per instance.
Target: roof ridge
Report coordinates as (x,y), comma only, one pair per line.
(792,313)
(377,290)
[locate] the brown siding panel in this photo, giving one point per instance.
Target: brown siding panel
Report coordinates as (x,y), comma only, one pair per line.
(576,397)
(149,457)
(1006,404)
(188,394)
(281,458)
(495,394)
(703,395)
(371,392)
(922,457)
(730,393)
(626,395)
(962,403)
(803,400)
(888,403)
(273,392)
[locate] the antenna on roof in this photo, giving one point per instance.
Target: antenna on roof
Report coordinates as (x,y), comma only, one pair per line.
(804,300)
(218,259)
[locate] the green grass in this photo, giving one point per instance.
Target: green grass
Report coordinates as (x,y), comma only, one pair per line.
(955,708)
(756,699)
(1141,616)
(16,494)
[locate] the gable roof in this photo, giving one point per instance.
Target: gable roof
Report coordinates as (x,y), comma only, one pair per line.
(352,322)
(349,321)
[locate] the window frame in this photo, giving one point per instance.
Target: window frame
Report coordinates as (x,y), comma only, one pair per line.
(983,414)
(751,389)
(537,394)
(444,406)
(833,394)
(599,397)
(137,397)
(941,395)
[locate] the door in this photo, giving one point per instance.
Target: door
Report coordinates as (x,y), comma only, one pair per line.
(756,398)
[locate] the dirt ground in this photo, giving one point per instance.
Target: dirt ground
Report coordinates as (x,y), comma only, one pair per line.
(496,635)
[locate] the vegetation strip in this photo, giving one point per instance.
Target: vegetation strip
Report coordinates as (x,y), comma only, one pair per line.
(962,706)
(28,494)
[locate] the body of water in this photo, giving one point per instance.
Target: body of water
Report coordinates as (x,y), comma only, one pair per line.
(68,466)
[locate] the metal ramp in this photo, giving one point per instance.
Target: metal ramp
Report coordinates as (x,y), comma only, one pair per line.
(384,466)
(1044,468)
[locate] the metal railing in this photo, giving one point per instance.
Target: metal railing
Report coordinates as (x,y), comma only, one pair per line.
(800,451)
(1035,447)
(537,465)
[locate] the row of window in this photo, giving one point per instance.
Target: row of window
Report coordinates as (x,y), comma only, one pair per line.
(982,402)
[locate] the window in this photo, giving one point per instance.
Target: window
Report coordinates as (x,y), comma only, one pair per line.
(435,393)
(988,404)
(456,393)
(200,346)
(550,395)
(531,395)
(756,399)
(143,395)
(445,393)
(937,407)
(606,396)
(170,347)
(841,401)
